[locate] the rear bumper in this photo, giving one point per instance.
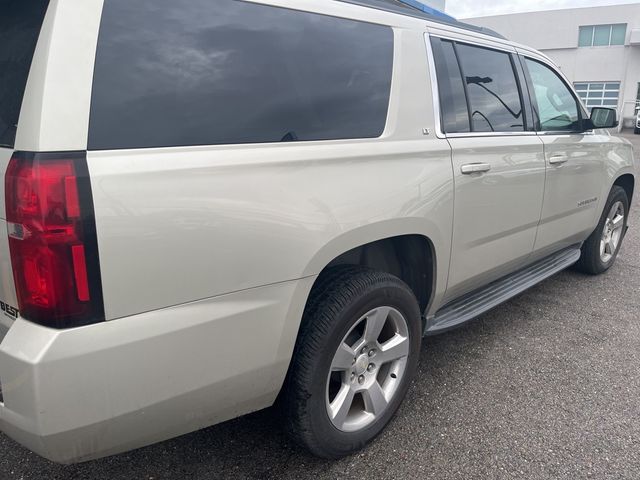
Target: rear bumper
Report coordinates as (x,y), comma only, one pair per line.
(94,391)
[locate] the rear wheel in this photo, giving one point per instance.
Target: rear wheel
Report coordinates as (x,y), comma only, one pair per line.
(356,354)
(600,250)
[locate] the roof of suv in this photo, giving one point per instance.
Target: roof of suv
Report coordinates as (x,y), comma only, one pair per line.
(395,6)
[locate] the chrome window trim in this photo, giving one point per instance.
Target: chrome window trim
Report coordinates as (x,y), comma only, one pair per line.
(435,89)
(483,44)
(584,112)
(525,54)
(435,92)
(490,134)
(565,132)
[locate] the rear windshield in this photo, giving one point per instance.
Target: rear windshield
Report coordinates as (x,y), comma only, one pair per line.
(205,72)
(20,23)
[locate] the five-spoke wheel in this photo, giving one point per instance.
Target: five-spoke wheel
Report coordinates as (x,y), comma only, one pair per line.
(599,251)
(356,354)
(612,231)
(367,368)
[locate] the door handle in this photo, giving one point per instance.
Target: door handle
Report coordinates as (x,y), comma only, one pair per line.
(470,168)
(558,159)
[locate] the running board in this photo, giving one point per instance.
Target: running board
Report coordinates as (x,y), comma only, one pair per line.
(477,302)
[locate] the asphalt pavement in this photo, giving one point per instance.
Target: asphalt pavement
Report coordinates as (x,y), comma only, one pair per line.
(544,386)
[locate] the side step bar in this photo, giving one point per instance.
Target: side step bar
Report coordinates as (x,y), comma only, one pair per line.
(479,301)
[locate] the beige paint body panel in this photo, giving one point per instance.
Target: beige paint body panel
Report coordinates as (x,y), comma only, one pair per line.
(570,211)
(55,109)
(198,213)
(178,230)
(191,222)
(493,235)
(5,157)
(576,191)
(208,254)
(7,285)
(93,391)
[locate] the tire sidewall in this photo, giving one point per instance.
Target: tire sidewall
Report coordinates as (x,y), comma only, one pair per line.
(383,295)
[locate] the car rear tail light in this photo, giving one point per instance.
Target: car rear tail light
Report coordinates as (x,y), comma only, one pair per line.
(52,239)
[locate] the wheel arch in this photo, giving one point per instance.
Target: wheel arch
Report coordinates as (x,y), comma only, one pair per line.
(386,236)
(409,257)
(389,253)
(402,247)
(627,182)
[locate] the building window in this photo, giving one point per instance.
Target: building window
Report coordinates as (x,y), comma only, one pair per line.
(602,35)
(599,94)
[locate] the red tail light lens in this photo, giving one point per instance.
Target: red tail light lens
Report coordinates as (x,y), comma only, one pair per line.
(52,239)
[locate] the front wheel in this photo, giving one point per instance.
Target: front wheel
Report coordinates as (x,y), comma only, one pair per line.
(356,354)
(600,250)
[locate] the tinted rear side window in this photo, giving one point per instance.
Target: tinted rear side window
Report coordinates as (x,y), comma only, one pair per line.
(492,89)
(205,72)
(20,23)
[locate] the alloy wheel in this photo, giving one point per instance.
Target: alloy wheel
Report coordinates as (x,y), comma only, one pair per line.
(612,232)
(367,369)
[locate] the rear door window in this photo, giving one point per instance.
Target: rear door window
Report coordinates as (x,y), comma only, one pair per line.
(206,72)
(20,24)
(492,89)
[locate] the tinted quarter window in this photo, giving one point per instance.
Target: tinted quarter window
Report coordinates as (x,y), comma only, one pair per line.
(557,107)
(20,23)
(494,97)
(453,105)
(204,72)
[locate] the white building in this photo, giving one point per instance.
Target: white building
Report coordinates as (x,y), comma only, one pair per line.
(597,48)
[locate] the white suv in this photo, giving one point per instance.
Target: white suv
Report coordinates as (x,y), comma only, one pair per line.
(210,204)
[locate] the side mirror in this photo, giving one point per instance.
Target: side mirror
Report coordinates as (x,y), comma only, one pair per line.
(602,117)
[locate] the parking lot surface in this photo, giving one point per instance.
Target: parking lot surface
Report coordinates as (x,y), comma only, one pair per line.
(544,386)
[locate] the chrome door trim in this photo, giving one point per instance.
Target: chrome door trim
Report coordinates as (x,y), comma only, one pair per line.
(565,132)
(435,93)
(480,44)
(435,89)
(551,66)
(490,134)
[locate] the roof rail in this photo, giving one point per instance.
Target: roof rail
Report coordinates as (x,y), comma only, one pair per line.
(423,7)
(397,6)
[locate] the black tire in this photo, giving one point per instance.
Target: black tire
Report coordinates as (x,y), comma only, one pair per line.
(636,131)
(590,261)
(338,300)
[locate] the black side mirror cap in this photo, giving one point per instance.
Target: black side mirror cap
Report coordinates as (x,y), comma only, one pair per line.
(602,117)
